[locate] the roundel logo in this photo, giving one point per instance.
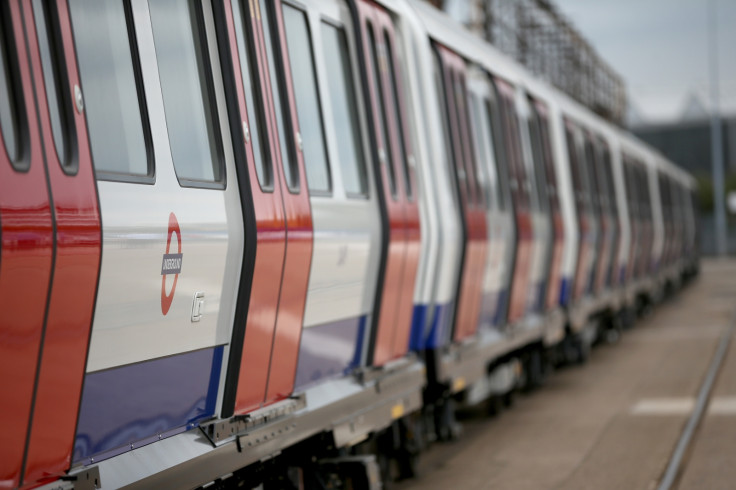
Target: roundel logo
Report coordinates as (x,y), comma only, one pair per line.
(171,264)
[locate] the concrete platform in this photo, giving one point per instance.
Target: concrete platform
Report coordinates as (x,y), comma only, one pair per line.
(614,422)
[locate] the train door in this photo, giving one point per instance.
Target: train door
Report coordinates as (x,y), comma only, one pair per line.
(50,249)
(468,302)
(318,46)
(26,242)
(587,169)
(484,123)
(539,205)
(601,184)
(172,234)
(393,163)
(632,201)
(268,139)
(610,275)
(540,121)
(583,211)
(519,187)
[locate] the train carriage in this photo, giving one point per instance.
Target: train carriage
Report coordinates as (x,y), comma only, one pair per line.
(246,236)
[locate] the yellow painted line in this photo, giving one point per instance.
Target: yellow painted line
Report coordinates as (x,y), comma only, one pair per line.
(397,411)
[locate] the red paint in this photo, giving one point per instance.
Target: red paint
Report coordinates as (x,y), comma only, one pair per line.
(25,267)
(394,312)
(520,196)
(471,197)
(166,299)
(284,246)
(299,242)
(74,286)
(558,232)
(585,245)
(604,217)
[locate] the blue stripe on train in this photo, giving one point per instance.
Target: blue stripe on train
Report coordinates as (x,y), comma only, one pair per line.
(139,403)
(330,350)
(430,333)
(565,289)
(500,316)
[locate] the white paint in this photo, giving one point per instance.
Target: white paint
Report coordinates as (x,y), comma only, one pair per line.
(723,406)
(663,406)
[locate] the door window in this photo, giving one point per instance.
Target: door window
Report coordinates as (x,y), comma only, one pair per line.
(111,82)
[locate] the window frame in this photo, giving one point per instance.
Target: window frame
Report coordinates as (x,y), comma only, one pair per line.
(149,178)
(68,160)
(21,161)
(207,85)
(363,169)
(330,191)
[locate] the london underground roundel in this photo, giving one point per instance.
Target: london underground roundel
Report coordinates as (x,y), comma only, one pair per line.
(171,264)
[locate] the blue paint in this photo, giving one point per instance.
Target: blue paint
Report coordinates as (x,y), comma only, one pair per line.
(499,316)
(488,310)
(418,324)
(439,331)
(565,289)
(135,403)
(358,354)
(329,350)
(539,303)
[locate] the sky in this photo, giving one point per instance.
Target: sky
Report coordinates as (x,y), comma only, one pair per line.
(660,48)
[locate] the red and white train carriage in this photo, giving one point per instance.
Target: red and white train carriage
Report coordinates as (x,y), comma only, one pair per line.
(240,235)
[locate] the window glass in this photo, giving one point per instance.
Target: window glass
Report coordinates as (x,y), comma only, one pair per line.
(577,178)
(483,151)
(288,157)
(254,105)
(461,163)
(394,102)
(8,91)
(466,141)
(307,99)
(344,109)
(535,140)
(500,154)
(108,79)
(381,116)
(190,114)
(53,76)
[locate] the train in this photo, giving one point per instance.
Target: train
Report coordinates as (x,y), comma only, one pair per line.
(278,243)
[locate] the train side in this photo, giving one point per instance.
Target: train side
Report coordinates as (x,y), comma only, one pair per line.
(238,237)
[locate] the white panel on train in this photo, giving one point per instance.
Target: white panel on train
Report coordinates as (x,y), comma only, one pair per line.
(129,324)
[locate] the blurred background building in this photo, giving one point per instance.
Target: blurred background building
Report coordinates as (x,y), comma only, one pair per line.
(540,35)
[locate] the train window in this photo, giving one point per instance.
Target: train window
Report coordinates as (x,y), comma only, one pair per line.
(386,157)
(55,81)
(113,101)
(344,110)
(535,138)
(10,97)
(483,149)
(515,142)
(395,102)
(549,163)
(288,151)
(500,152)
(254,105)
(455,138)
(466,143)
(183,64)
(577,180)
(441,98)
(307,99)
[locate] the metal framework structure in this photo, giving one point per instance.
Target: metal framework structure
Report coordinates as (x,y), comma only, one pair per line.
(541,38)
